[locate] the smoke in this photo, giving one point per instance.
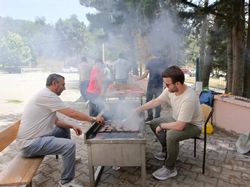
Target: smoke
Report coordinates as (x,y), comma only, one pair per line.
(118,110)
(165,36)
(163,33)
(142,36)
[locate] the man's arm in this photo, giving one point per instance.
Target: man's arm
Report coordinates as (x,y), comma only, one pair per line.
(178,125)
(145,74)
(79,116)
(99,79)
(151,104)
(185,114)
(101,83)
(64,124)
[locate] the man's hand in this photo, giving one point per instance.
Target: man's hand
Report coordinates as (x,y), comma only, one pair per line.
(158,130)
(137,79)
(77,130)
(100,119)
(137,111)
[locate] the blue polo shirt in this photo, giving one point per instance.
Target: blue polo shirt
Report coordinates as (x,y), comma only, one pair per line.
(156,66)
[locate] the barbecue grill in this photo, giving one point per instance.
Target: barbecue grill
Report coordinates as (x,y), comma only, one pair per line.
(116,143)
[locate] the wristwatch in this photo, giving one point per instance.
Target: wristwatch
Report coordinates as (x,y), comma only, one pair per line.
(160,126)
(94,119)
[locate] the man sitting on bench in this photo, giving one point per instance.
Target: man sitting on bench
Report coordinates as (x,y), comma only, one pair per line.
(41,132)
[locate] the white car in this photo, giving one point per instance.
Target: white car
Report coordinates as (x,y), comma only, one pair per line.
(193,72)
(69,69)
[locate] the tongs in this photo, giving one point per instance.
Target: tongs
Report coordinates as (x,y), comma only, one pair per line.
(129,117)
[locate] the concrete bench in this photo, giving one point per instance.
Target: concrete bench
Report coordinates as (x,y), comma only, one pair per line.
(20,170)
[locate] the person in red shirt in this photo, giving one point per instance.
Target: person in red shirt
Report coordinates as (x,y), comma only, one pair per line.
(96,87)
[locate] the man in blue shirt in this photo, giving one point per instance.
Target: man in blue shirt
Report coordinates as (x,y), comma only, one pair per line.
(154,68)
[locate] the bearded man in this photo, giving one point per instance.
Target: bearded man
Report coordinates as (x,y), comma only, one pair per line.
(185,122)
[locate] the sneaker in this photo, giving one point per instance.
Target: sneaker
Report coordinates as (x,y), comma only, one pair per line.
(164,173)
(70,184)
(78,159)
(160,156)
(87,104)
(116,167)
(148,119)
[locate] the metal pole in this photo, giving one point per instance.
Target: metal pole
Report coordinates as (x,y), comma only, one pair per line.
(197,70)
(140,68)
(103,56)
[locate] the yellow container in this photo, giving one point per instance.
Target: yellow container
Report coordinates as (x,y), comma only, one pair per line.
(209,128)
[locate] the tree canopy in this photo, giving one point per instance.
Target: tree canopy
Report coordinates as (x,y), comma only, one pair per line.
(216,32)
(13,52)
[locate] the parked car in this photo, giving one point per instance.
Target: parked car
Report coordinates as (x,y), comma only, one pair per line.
(193,72)
(185,70)
(69,69)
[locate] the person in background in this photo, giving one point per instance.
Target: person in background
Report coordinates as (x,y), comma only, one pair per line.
(185,122)
(84,69)
(112,74)
(42,133)
(121,69)
(154,68)
(107,75)
(96,87)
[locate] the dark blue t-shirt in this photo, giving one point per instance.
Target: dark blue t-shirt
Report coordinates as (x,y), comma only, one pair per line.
(156,66)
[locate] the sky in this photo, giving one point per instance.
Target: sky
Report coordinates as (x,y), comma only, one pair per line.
(52,10)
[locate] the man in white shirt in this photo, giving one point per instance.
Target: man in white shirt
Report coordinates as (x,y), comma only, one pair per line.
(186,121)
(41,132)
(85,70)
(121,69)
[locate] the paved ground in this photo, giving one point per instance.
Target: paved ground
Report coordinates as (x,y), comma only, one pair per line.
(224,166)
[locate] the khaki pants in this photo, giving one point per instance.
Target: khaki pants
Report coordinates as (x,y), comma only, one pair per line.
(170,140)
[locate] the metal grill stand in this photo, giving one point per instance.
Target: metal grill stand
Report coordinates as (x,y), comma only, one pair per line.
(115,149)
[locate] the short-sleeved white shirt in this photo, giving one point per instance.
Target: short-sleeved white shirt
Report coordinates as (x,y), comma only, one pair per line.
(121,68)
(186,107)
(85,71)
(38,117)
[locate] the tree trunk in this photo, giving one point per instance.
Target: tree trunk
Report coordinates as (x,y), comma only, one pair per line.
(207,68)
(175,43)
(229,62)
(246,92)
(238,47)
(203,43)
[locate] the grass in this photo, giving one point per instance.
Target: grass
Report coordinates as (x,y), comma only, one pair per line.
(14,101)
(214,83)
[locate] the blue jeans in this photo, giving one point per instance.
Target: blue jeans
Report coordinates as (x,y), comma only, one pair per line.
(107,83)
(83,88)
(150,93)
(57,144)
(96,104)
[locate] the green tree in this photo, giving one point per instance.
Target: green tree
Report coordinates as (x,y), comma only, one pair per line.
(73,37)
(135,26)
(13,52)
(37,35)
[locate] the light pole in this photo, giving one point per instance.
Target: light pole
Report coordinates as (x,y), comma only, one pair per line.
(103,55)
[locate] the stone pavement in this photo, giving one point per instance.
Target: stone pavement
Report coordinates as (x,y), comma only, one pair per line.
(224,166)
